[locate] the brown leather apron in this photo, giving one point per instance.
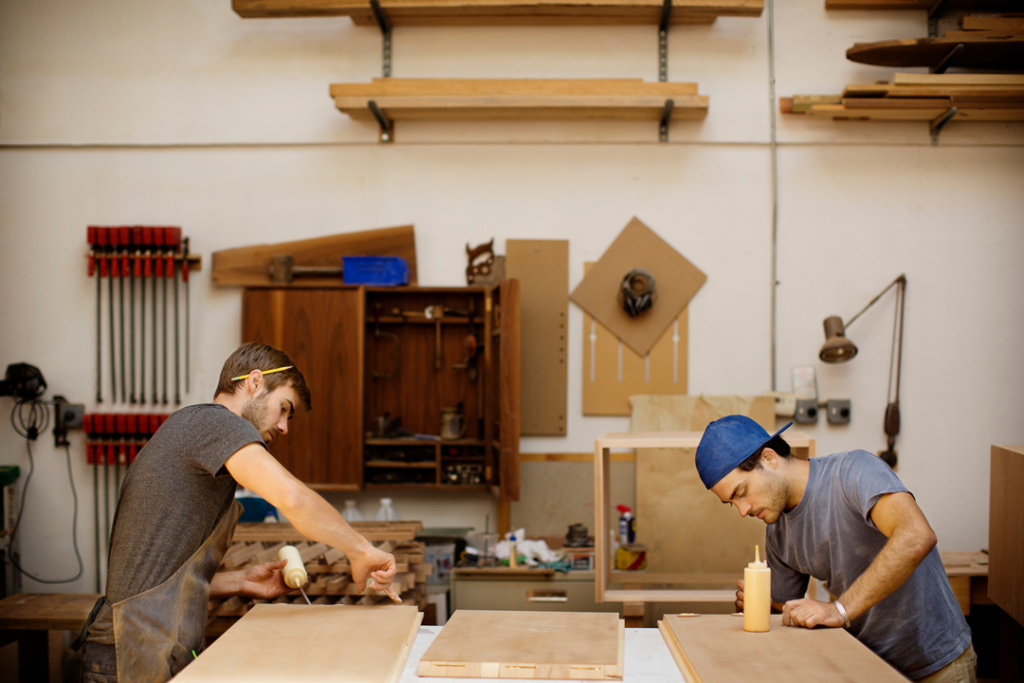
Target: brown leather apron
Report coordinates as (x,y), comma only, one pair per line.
(156,632)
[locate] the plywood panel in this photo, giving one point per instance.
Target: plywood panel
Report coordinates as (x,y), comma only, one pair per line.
(273,643)
(612,372)
(542,268)
(536,645)
(716,649)
(1006,530)
(685,528)
(676,282)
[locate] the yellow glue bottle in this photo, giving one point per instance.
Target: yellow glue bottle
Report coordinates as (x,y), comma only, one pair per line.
(294,572)
(757,595)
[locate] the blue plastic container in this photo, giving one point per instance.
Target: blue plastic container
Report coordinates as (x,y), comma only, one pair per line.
(386,271)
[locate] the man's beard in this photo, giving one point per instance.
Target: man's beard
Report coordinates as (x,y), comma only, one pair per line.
(255,409)
(778,495)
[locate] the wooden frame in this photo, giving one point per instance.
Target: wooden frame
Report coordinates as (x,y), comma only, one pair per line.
(803,446)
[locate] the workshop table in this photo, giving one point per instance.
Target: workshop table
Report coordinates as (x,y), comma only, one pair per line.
(30,618)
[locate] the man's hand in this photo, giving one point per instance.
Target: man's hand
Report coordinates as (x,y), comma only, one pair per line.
(739,596)
(377,566)
(810,613)
(261,581)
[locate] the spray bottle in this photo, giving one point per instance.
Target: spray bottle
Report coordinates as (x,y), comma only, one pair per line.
(627,525)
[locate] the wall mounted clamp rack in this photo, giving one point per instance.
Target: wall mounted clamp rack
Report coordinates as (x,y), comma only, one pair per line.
(513,99)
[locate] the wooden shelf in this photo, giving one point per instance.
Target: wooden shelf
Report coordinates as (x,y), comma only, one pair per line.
(950,6)
(447,320)
(448,99)
(503,12)
(920,97)
(427,443)
(427,487)
(399,465)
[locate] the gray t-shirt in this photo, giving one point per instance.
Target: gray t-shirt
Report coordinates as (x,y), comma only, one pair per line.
(173,496)
(918,628)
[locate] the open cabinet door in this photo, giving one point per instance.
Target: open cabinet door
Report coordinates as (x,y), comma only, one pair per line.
(321,330)
(508,389)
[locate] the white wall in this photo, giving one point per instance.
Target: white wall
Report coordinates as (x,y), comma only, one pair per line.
(183,114)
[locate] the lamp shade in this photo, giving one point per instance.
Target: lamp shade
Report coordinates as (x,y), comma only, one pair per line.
(837,348)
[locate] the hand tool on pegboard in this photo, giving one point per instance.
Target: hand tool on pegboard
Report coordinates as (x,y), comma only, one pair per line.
(172,238)
(147,272)
(158,247)
(434,313)
(92,237)
(91,433)
(188,311)
(104,238)
(117,254)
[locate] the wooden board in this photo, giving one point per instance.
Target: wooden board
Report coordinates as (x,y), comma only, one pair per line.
(1006,530)
(249,266)
(285,532)
(839,112)
(686,528)
(274,643)
(677,280)
(976,22)
(612,372)
(536,645)
(503,12)
(445,99)
(957,80)
(716,649)
(45,611)
(542,268)
(978,53)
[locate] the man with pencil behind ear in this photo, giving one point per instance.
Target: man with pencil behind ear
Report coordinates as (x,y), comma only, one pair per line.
(176,515)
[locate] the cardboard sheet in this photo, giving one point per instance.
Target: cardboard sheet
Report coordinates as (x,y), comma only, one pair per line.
(274,643)
(537,645)
(676,281)
(686,528)
(716,649)
(542,268)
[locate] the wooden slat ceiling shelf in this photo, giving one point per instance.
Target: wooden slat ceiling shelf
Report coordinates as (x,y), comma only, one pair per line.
(503,12)
(947,6)
(920,97)
(437,99)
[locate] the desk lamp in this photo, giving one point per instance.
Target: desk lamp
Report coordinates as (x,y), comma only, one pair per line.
(838,349)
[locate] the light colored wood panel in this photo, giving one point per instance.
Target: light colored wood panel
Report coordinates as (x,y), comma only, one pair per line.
(680,595)
(612,372)
(542,268)
(1006,530)
(540,107)
(273,643)
(249,266)
(716,649)
(535,645)
(510,87)
(936,80)
(982,23)
(839,112)
(573,457)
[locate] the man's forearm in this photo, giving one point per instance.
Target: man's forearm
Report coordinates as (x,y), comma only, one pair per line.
(315,518)
(225,585)
(898,559)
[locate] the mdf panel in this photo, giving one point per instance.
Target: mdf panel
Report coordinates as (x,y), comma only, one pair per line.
(1006,530)
(321,331)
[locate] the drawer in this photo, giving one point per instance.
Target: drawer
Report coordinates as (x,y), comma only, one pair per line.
(548,596)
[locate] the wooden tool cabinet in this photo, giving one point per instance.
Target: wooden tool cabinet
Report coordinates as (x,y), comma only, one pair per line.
(361,360)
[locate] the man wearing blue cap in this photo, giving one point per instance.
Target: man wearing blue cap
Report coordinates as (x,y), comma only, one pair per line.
(846,519)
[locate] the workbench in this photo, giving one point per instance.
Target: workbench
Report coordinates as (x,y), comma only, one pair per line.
(32,619)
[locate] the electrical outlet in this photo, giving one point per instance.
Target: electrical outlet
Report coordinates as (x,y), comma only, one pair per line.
(785,404)
(838,411)
(806,411)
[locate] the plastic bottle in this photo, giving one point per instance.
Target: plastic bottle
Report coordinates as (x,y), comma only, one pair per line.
(386,513)
(757,601)
(513,553)
(351,513)
(627,525)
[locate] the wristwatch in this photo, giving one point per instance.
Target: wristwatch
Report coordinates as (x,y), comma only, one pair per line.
(842,612)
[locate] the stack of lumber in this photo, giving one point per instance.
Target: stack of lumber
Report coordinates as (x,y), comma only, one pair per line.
(503,12)
(988,42)
(443,98)
(330,575)
(920,97)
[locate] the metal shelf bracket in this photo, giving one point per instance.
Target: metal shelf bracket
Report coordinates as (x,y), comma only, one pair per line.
(933,17)
(666,116)
(385,29)
(387,126)
(948,60)
(936,126)
(666,16)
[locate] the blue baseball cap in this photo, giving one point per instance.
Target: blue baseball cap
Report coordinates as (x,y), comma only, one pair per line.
(727,443)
